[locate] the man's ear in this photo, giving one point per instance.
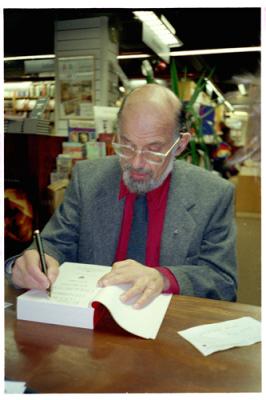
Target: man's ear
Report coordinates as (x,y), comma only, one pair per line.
(185,138)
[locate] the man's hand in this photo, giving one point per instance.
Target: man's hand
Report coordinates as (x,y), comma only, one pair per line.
(27,271)
(147,282)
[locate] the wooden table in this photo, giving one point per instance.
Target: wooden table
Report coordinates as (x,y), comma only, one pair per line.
(57,359)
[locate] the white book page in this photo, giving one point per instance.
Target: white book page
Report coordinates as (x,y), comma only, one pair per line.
(77,283)
(144,322)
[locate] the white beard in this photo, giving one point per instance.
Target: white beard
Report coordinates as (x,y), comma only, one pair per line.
(140,187)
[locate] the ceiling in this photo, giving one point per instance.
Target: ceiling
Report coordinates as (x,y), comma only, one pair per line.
(31,32)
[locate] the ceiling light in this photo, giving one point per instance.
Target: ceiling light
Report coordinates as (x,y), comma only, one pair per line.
(229,105)
(160,27)
(215,51)
(197,52)
(144,55)
(129,56)
(29,57)
(242,89)
(220,96)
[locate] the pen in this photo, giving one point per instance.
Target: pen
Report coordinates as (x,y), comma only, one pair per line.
(38,240)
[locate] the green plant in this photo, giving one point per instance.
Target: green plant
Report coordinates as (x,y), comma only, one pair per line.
(197,148)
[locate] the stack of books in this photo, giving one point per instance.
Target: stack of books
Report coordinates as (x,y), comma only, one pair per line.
(39,126)
(73,149)
(12,126)
(95,150)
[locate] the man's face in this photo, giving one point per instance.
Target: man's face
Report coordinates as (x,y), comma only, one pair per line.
(146,131)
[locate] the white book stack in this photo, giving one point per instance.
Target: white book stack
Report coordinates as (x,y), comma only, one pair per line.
(75,298)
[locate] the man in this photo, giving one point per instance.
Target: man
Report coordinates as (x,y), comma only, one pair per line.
(184,241)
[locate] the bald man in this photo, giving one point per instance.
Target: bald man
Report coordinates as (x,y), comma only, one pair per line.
(165,226)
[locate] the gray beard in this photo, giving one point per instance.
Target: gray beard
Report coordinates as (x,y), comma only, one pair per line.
(140,187)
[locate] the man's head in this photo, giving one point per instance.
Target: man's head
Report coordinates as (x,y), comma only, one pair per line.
(149,121)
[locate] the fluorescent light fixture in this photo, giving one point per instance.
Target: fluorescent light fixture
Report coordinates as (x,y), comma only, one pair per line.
(144,55)
(121,57)
(44,56)
(129,56)
(220,96)
(196,52)
(229,105)
(167,24)
(242,89)
(213,87)
(160,27)
(215,51)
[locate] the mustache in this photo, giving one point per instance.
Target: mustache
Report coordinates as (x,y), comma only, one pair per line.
(129,168)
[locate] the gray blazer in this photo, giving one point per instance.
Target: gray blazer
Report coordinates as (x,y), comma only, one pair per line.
(198,240)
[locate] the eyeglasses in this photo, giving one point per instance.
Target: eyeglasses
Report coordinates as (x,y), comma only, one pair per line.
(153,157)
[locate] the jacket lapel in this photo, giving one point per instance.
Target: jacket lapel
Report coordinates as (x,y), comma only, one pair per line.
(179,225)
(107,220)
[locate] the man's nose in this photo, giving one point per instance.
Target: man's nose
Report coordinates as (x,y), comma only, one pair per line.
(138,161)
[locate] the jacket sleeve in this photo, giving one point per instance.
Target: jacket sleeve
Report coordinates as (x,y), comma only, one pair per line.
(213,272)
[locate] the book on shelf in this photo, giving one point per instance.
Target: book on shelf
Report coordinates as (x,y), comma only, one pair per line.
(73,149)
(39,108)
(77,301)
(81,131)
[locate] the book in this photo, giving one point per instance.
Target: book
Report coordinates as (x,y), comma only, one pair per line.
(77,301)
(81,131)
(75,150)
(95,150)
(39,108)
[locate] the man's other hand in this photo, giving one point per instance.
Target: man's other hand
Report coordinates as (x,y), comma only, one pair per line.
(147,283)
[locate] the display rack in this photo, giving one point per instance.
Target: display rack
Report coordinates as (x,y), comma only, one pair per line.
(20,98)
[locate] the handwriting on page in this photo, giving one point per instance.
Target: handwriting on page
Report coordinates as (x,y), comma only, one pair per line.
(75,289)
(223,335)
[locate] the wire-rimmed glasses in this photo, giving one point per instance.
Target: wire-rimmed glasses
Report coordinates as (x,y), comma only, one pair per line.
(127,151)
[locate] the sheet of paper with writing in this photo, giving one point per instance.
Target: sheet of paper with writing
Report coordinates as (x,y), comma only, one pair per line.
(210,338)
(74,293)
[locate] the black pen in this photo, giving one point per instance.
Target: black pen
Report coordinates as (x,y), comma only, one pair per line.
(38,240)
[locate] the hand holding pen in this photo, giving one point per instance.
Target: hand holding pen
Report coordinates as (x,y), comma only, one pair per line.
(39,245)
(26,271)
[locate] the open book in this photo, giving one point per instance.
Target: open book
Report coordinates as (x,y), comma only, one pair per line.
(75,300)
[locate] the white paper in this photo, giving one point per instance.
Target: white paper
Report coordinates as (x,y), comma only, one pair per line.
(72,297)
(210,338)
(77,283)
(144,322)
(14,387)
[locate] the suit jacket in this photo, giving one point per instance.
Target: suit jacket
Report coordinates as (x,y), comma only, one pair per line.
(198,240)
